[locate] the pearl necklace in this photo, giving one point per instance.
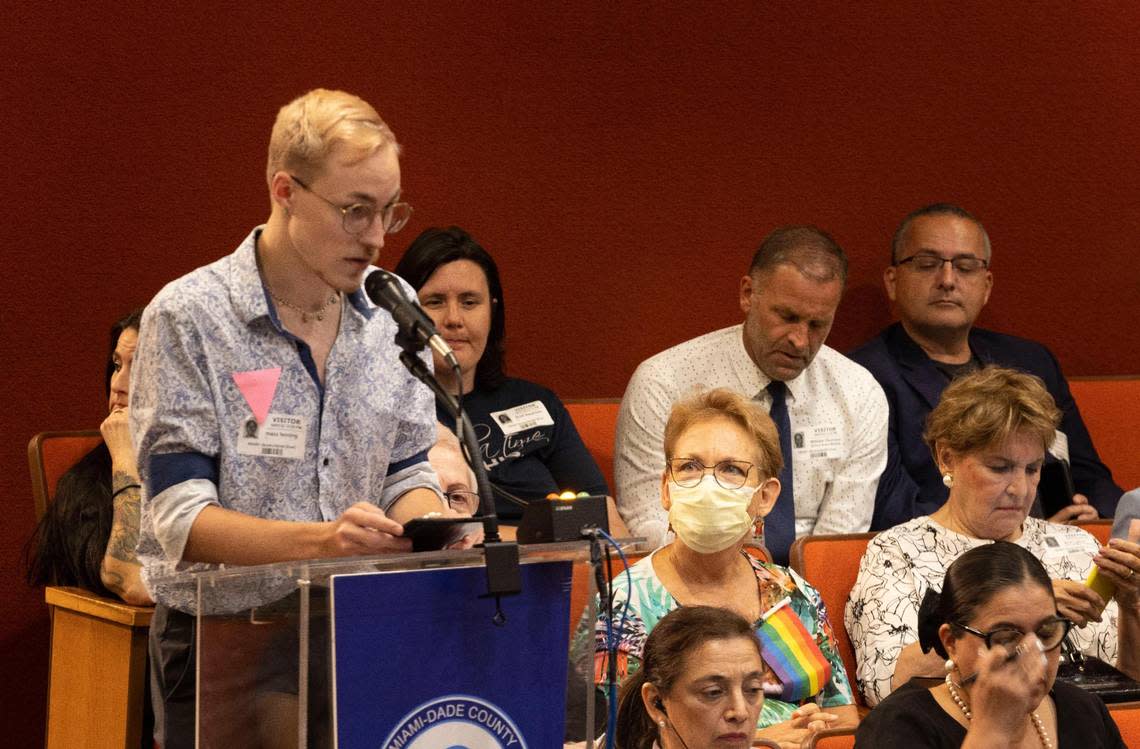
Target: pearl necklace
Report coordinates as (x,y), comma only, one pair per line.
(1037,724)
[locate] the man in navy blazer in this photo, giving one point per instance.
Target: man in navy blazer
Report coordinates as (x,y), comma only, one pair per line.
(939,280)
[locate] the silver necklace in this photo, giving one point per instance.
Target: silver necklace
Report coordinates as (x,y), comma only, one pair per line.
(961,703)
(318,313)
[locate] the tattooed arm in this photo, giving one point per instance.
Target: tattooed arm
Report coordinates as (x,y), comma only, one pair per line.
(120,569)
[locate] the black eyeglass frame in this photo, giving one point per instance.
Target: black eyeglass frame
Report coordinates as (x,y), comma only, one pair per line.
(1066,624)
(968,271)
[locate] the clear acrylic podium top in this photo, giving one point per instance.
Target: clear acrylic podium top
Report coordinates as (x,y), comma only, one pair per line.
(263,639)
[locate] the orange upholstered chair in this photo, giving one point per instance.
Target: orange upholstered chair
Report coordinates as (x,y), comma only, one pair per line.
(831,564)
(596,421)
(1110,407)
(1102,528)
(50,454)
(98,645)
(835,738)
(1127,718)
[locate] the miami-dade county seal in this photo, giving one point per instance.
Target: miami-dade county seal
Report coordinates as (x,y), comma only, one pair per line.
(457,721)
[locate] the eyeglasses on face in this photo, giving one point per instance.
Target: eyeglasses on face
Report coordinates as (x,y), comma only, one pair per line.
(1051,633)
(688,472)
(357,218)
(963,265)
(463,501)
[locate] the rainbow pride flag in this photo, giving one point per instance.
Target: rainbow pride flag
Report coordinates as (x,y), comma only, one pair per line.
(790,651)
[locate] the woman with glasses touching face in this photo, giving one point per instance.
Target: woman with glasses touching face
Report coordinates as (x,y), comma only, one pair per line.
(996,625)
(988,436)
(529,444)
(722,457)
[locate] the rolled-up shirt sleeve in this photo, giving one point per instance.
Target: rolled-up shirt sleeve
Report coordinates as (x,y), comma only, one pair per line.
(408,474)
(174,427)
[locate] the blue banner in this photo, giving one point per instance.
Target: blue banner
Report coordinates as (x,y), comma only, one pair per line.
(419,663)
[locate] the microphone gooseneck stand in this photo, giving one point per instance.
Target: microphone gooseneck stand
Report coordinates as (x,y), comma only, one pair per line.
(501,557)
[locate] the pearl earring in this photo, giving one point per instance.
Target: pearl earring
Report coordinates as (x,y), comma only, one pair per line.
(949,665)
(661,723)
(948,479)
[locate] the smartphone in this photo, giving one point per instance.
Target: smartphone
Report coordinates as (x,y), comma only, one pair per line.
(430,534)
(1104,587)
(1056,488)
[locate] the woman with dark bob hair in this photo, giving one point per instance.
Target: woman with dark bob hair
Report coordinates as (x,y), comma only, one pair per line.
(87,536)
(701,684)
(527,438)
(995,623)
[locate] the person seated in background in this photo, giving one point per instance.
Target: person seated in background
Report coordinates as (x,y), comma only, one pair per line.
(988,436)
(88,533)
(939,280)
(1126,511)
(529,444)
(700,684)
(831,413)
(722,454)
(996,624)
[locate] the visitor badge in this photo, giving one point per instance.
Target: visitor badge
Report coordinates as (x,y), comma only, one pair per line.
(278,436)
(1060,447)
(524,417)
(823,441)
(1065,544)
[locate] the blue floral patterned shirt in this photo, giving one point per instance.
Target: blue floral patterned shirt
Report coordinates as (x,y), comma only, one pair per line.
(361,435)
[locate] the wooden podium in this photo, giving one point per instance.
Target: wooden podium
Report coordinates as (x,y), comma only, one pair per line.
(98,670)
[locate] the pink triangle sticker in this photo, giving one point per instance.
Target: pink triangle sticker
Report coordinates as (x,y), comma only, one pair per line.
(258,387)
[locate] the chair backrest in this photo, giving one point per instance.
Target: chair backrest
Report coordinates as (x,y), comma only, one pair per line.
(50,455)
(1102,528)
(833,738)
(596,421)
(1110,408)
(1127,719)
(831,564)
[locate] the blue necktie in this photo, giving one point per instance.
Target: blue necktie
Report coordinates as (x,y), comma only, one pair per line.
(780,525)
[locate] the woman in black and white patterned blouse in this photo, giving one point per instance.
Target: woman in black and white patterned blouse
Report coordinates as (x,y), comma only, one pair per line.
(988,435)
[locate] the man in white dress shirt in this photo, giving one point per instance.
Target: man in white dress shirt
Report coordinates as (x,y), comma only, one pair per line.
(831,412)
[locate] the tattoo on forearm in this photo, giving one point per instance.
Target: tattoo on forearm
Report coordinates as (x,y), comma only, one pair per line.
(125,523)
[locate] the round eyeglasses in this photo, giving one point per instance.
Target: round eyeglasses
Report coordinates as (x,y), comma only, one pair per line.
(357,218)
(688,472)
(963,265)
(1051,633)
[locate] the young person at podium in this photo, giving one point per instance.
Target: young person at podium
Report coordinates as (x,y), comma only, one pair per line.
(272,416)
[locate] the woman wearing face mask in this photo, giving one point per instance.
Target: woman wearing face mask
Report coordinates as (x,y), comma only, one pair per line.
(995,623)
(722,454)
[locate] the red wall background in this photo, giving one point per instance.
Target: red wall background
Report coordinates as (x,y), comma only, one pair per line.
(621,163)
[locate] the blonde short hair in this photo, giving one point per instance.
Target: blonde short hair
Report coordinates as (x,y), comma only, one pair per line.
(986,407)
(312,125)
(724,403)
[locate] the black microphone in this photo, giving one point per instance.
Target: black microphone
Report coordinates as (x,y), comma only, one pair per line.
(384,289)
